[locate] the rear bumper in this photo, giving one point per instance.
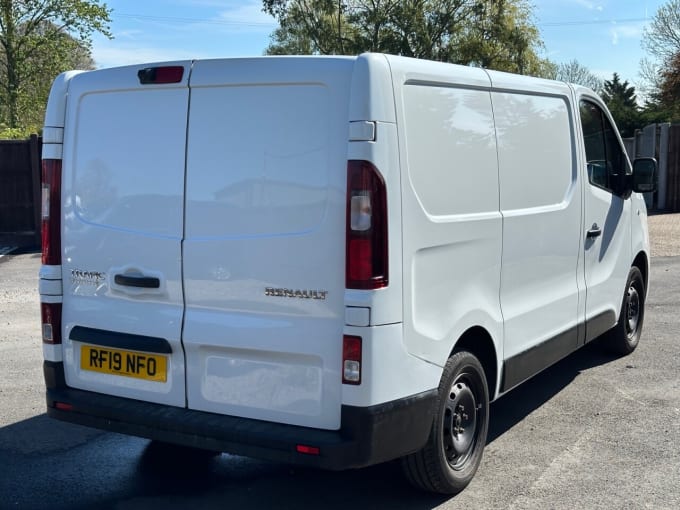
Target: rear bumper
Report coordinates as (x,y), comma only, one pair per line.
(368,435)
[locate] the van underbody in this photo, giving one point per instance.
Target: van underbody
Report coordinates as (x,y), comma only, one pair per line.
(367,436)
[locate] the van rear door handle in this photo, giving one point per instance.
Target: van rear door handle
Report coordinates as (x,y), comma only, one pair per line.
(144,282)
(594,231)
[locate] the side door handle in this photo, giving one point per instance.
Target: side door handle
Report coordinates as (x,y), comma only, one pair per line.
(144,282)
(594,232)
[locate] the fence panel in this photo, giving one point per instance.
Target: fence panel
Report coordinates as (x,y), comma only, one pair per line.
(673,179)
(20,192)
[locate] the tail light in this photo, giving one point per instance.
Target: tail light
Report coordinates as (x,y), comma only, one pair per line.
(366,260)
(50,313)
(51,212)
(351,360)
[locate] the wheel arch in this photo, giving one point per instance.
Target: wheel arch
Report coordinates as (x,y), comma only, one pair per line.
(641,261)
(479,342)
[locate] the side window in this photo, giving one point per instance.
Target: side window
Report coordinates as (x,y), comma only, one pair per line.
(606,162)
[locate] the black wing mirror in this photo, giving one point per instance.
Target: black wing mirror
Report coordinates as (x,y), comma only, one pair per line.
(644,175)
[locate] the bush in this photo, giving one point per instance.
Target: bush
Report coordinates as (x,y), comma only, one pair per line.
(7,133)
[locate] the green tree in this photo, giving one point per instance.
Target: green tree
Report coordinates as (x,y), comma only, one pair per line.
(501,34)
(621,100)
(38,40)
(497,34)
(664,105)
(669,91)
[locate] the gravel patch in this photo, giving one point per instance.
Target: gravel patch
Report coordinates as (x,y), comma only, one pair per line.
(664,234)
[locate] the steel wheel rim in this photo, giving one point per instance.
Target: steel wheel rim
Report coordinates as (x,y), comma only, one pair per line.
(460,422)
(632,310)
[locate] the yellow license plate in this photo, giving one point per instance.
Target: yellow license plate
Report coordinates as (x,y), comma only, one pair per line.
(141,365)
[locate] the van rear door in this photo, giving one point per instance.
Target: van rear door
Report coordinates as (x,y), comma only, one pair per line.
(122,198)
(265,236)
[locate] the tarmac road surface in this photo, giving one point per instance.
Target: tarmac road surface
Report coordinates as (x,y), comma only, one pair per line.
(590,432)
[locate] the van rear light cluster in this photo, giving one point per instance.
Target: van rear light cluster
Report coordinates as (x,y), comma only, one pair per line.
(366,257)
(351,360)
(50,314)
(51,212)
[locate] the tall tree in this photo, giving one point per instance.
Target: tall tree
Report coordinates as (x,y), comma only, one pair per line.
(501,34)
(661,40)
(498,34)
(575,72)
(668,94)
(39,39)
(621,100)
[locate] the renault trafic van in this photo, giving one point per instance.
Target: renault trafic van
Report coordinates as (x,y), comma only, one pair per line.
(328,261)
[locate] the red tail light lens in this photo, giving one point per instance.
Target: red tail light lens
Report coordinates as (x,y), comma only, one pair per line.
(159,75)
(351,360)
(366,260)
(307,450)
(51,212)
(50,313)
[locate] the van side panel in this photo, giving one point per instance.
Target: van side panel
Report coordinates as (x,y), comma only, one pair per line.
(265,239)
(451,222)
(541,205)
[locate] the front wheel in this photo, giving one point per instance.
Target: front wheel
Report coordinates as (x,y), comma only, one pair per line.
(623,338)
(453,452)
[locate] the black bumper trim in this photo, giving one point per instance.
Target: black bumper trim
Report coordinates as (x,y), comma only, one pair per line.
(119,340)
(368,435)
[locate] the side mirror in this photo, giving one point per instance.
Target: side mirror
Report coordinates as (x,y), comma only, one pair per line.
(644,175)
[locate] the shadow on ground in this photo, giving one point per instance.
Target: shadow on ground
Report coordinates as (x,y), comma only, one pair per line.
(49,464)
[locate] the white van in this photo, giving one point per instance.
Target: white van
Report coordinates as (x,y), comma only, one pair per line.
(328,261)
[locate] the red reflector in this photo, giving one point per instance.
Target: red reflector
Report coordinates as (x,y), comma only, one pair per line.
(308,450)
(63,406)
(51,212)
(351,359)
(50,313)
(159,75)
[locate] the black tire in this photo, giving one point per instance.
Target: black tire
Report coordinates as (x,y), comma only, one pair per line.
(450,458)
(623,338)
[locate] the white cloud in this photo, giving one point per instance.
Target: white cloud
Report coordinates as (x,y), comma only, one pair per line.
(628,31)
(588,4)
(127,34)
(248,13)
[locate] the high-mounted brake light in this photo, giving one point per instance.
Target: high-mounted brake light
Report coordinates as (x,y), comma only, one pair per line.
(351,360)
(159,75)
(366,260)
(50,314)
(51,212)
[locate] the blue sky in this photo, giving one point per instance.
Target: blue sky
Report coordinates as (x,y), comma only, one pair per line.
(603,35)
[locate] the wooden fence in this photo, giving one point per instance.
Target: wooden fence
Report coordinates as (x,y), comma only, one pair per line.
(660,141)
(20,193)
(673,179)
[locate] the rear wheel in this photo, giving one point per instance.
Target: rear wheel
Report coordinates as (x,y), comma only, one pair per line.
(625,336)
(449,460)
